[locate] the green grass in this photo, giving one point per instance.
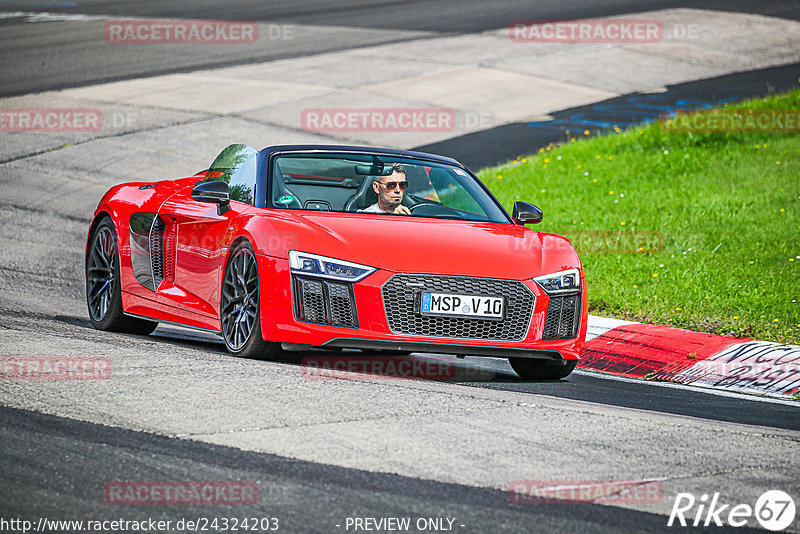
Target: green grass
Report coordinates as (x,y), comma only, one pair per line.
(716,216)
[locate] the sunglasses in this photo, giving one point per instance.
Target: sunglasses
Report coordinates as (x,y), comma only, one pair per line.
(392,185)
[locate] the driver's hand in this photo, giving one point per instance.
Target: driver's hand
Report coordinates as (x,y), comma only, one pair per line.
(402,210)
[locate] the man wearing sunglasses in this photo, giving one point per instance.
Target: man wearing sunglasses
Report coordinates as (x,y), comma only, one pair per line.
(390,191)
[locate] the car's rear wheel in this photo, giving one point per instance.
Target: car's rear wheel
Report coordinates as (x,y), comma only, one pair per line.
(103,291)
(536,369)
(240,312)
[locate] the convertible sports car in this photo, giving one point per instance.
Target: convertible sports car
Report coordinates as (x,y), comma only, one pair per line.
(273,250)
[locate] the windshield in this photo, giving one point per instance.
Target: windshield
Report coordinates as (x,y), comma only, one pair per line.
(380,185)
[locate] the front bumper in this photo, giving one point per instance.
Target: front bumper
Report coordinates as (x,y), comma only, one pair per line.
(279,322)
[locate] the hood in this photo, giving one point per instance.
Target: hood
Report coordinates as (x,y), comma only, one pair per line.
(425,245)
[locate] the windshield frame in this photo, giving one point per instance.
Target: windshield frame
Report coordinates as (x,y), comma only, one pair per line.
(398,156)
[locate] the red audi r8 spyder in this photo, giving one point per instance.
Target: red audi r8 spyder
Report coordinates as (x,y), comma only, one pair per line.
(338,247)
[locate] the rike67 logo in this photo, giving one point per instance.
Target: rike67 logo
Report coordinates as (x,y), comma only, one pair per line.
(774,510)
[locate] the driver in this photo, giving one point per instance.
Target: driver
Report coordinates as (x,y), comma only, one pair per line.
(390,191)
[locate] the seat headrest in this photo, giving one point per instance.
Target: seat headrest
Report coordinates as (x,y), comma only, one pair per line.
(364,197)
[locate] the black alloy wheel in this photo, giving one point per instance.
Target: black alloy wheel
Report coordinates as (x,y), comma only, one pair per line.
(240,315)
(103,291)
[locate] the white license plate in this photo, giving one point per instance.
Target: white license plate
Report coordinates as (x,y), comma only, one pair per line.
(458,305)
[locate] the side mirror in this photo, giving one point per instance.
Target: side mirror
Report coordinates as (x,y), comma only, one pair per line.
(216,192)
(526,213)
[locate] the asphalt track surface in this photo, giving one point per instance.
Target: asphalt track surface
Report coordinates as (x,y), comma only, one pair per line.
(305,497)
(56,55)
(56,467)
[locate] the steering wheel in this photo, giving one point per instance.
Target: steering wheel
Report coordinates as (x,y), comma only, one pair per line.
(422,204)
(432,209)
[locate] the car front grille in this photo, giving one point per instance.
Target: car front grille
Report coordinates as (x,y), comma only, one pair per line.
(401,295)
(324,302)
(563,314)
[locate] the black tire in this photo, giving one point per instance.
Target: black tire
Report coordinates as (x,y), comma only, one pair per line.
(391,352)
(103,291)
(536,369)
(240,309)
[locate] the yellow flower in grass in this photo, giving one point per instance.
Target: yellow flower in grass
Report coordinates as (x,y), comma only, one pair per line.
(622,223)
(635,286)
(610,192)
(586,132)
(776,320)
(677,309)
(594,180)
(655,275)
(735,317)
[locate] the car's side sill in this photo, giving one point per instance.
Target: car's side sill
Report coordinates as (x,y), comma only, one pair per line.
(174,323)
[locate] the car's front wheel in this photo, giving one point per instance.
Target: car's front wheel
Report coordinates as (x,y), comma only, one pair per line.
(536,369)
(240,312)
(103,291)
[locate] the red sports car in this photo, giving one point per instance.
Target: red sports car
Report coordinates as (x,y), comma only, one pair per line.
(338,247)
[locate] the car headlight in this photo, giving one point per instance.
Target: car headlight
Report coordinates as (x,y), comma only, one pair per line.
(567,281)
(315,265)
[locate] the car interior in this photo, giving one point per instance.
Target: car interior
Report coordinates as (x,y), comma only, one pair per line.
(346,185)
